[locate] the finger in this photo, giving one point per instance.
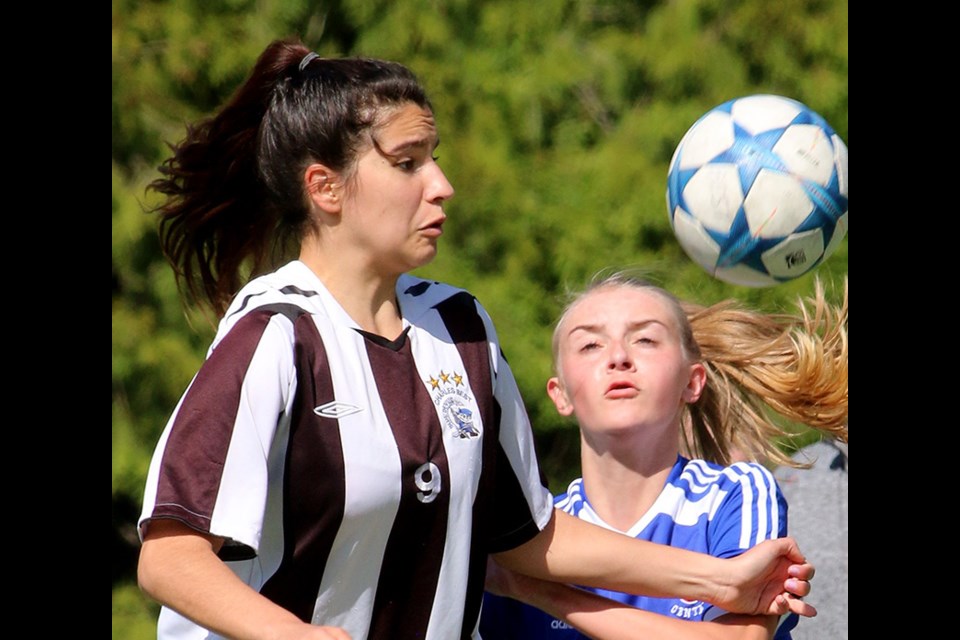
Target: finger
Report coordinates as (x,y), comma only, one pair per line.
(803,571)
(800,607)
(779,606)
(796,587)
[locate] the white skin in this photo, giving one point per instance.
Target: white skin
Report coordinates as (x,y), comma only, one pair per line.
(381,221)
(626,378)
(371,226)
(624,375)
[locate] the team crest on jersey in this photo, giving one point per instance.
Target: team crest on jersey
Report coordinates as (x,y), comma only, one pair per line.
(449,394)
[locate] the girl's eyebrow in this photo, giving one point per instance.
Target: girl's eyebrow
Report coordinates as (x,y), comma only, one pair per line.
(633,326)
(407,145)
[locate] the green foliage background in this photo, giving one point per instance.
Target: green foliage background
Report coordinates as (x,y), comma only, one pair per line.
(557,118)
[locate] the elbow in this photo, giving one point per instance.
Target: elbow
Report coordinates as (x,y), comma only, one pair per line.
(166,547)
(147,578)
(169,551)
(157,566)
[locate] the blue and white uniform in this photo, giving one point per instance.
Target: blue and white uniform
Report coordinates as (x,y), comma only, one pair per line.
(358,482)
(705,507)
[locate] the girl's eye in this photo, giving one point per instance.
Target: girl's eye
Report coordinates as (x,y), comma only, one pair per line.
(644,341)
(412,164)
(590,346)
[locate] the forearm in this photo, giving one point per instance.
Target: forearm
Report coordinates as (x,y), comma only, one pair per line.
(183,573)
(604,619)
(572,551)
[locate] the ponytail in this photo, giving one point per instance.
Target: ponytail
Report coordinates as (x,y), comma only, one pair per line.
(764,370)
(216,221)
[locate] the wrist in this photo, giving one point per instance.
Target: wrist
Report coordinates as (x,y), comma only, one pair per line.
(711,580)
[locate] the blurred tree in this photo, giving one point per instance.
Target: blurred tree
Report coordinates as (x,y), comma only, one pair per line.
(557,118)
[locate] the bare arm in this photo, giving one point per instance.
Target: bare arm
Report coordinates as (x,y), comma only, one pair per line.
(179,568)
(570,550)
(603,619)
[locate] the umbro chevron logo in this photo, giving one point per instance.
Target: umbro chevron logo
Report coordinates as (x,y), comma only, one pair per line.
(336,409)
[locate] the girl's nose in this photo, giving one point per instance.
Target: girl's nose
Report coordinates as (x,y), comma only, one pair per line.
(438,187)
(620,359)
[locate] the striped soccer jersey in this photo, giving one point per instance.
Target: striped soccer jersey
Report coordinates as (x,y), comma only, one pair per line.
(705,507)
(357,482)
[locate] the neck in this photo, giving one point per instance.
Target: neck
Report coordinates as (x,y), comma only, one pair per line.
(624,478)
(367,296)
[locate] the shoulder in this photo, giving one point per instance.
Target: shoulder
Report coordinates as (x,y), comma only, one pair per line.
(417,295)
(287,293)
(293,284)
(745,504)
(702,474)
(752,472)
(573,500)
(287,289)
(458,309)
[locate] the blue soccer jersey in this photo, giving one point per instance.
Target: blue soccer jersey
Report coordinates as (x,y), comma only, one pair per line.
(704,507)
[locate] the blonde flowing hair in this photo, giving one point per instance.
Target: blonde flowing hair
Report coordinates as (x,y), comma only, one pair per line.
(759,365)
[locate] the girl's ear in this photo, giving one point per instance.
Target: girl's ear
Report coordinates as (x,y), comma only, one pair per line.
(696,383)
(559,396)
(322,187)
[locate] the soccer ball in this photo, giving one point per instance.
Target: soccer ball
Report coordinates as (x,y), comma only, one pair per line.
(757,190)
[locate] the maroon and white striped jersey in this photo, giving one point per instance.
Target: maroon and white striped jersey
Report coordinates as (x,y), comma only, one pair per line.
(358,482)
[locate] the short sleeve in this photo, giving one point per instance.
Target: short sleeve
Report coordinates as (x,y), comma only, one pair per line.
(211,467)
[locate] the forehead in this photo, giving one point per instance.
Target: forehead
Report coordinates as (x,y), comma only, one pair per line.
(619,304)
(406,125)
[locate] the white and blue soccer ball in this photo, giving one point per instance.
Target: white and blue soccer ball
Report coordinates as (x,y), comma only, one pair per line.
(757,190)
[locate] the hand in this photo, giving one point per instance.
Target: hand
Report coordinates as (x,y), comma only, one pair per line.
(769,579)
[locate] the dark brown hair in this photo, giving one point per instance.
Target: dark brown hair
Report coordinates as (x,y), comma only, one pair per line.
(234,198)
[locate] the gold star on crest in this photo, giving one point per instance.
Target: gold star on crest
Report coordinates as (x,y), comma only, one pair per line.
(434,382)
(458,379)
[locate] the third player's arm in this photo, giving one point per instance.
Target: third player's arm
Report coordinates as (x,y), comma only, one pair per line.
(603,619)
(570,550)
